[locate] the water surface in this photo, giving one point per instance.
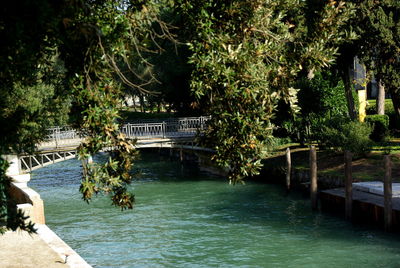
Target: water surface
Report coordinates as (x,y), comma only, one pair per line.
(187,218)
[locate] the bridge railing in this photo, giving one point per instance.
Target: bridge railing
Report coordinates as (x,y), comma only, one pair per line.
(148,128)
(62,133)
(156,130)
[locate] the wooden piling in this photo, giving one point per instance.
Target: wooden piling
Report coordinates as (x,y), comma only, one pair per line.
(313,178)
(288,168)
(387,192)
(348,184)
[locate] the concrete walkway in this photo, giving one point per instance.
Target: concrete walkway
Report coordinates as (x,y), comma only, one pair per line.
(45,249)
(376,187)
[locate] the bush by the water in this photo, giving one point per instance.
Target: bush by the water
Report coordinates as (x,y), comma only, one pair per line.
(341,135)
(380,124)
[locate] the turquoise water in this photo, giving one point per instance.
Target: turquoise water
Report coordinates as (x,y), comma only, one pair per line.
(187,218)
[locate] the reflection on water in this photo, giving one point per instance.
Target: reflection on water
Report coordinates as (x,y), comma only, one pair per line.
(186,218)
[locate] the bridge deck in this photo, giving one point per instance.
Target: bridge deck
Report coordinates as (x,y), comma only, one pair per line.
(172,133)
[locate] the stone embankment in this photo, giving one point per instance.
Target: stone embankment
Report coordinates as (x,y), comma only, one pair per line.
(43,249)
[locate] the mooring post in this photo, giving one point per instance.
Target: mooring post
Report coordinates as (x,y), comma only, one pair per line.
(348,184)
(288,168)
(387,190)
(313,177)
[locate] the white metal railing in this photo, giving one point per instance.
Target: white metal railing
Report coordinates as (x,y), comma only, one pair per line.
(142,129)
(62,133)
(32,162)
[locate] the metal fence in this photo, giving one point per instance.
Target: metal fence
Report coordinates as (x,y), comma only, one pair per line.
(62,133)
(148,128)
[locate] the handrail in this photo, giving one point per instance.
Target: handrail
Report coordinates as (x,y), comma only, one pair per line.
(147,128)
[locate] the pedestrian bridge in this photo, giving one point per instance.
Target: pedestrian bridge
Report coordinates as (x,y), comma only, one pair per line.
(61,142)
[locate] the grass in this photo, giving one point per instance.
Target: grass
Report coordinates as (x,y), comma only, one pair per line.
(372,104)
(392,146)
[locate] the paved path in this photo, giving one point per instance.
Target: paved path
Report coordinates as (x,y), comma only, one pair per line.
(20,250)
(45,249)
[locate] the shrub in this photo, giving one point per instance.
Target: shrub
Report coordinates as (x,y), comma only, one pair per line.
(380,124)
(320,100)
(389,110)
(342,135)
(297,130)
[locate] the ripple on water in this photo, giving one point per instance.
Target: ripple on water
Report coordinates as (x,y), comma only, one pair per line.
(186,218)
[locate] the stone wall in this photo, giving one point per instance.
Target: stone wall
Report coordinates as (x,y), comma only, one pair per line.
(26,198)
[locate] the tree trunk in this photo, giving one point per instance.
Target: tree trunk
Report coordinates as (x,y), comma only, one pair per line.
(158,107)
(380,98)
(142,108)
(394,94)
(348,91)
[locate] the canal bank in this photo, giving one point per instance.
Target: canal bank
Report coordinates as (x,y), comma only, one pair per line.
(367,207)
(367,180)
(43,249)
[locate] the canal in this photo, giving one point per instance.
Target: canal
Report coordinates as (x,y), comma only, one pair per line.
(188,218)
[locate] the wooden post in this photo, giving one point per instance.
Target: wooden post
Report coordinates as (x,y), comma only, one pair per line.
(348,184)
(387,190)
(313,177)
(288,168)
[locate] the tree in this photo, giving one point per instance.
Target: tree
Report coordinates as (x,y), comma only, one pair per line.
(67,53)
(246,56)
(380,44)
(167,72)
(376,24)
(344,64)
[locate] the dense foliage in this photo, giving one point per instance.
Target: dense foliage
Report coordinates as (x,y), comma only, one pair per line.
(394,124)
(380,125)
(343,135)
(320,99)
(246,57)
(381,44)
(59,60)
(377,25)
